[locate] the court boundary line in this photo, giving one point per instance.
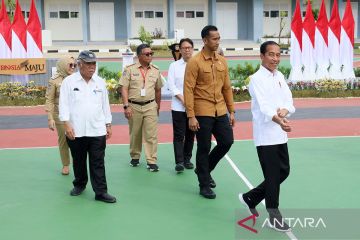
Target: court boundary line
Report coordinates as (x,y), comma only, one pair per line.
(163,143)
(249,185)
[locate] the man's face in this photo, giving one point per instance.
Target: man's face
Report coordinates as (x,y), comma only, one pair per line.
(146,56)
(87,69)
(271,59)
(212,41)
(186,50)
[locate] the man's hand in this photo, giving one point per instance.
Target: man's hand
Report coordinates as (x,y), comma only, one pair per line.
(232,119)
(282,112)
(181,98)
(69,131)
(51,124)
(194,124)
(283,122)
(108,132)
(128,112)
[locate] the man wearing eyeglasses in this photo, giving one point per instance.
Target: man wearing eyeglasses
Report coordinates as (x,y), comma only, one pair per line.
(85,110)
(183,140)
(141,94)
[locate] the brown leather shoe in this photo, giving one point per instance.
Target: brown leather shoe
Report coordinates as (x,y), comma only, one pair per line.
(65,170)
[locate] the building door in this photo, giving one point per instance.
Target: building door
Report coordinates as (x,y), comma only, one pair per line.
(226,19)
(102,27)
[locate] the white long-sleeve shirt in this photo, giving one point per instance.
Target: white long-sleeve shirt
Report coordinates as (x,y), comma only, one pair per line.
(85,105)
(269,92)
(176,75)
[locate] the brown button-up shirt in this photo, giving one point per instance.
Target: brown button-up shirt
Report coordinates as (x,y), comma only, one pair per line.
(207,86)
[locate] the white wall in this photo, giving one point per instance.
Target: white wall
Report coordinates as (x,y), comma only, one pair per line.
(272,24)
(64,29)
(149,23)
(191,26)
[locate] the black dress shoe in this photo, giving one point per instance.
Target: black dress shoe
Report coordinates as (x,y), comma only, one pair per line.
(76,191)
(206,192)
(105,197)
(188,165)
(179,168)
(212,183)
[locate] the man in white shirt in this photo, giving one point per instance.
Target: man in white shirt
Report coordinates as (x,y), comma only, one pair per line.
(271,105)
(84,107)
(183,139)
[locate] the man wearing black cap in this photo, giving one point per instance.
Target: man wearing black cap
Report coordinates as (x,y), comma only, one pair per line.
(84,107)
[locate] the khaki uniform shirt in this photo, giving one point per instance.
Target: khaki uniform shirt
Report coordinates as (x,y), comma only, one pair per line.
(52,99)
(133,79)
(207,86)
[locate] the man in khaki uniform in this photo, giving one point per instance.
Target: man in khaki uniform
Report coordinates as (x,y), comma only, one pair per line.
(141,93)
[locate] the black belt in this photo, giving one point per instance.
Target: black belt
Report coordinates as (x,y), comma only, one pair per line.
(141,103)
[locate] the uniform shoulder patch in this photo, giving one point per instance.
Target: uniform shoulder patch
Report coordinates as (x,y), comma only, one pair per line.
(155,66)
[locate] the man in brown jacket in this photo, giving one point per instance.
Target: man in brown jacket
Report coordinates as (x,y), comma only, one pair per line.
(208,98)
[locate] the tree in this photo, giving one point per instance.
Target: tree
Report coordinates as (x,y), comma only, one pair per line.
(11,8)
(283,14)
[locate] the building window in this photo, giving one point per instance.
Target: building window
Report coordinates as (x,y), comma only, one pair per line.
(274,14)
(180,14)
(159,14)
(74,14)
(190,14)
(138,14)
(64,14)
(149,14)
(53,14)
(200,14)
(266,14)
(284,13)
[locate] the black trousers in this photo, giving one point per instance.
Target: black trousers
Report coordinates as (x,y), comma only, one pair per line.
(274,161)
(223,133)
(95,147)
(183,139)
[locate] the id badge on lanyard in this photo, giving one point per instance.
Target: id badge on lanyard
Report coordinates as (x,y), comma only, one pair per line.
(143,91)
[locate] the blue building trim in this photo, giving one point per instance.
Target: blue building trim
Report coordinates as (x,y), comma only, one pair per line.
(171,18)
(212,12)
(257,16)
(40,10)
(85,20)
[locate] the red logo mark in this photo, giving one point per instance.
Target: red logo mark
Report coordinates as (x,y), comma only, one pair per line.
(242,221)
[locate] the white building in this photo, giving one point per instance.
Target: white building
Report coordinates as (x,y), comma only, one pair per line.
(117,20)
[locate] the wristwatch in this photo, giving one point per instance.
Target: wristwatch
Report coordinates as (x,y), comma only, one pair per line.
(125,106)
(108,125)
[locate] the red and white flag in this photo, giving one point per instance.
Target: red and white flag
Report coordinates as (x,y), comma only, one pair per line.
(308,52)
(19,40)
(33,38)
(5,33)
(321,44)
(334,43)
(296,45)
(347,43)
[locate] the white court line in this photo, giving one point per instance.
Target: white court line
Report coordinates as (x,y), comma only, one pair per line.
(250,186)
(163,143)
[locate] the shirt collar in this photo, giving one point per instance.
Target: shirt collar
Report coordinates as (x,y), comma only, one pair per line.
(79,78)
(138,65)
(267,72)
(181,61)
(208,54)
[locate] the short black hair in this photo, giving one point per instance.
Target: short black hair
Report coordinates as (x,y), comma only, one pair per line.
(207,29)
(188,40)
(141,47)
(264,45)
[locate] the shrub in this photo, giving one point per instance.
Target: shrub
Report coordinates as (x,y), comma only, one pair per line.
(144,36)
